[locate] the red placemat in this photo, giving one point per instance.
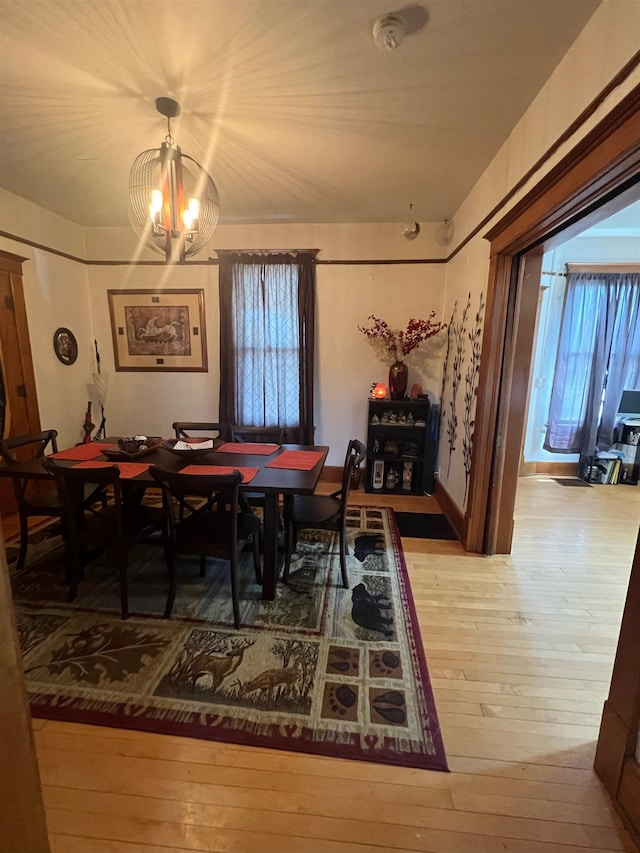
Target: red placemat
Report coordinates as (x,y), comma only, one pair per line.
(82,451)
(254,449)
(296,460)
(247,473)
(128,470)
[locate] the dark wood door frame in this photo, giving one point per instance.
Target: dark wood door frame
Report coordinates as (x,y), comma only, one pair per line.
(615,761)
(21,410)
(521,314)
(599,176)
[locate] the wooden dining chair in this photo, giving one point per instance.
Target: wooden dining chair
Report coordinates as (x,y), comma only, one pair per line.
(257,435)
(115,527)
(218,431)
(220,528)
(33,498)
(36,497)
(194,429)
(324,512)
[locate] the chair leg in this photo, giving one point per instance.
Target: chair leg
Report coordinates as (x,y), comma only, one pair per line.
(256,557)
(124,590)
(290,535)
(343,559)
(172,570)
(73,554)
(203,565)
(73,570)
(234,592)
(173,584)
(24,535)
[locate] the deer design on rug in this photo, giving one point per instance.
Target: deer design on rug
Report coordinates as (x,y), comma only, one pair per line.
(217,667)
(273,682)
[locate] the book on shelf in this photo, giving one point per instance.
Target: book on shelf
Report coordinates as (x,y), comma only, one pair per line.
(604,468)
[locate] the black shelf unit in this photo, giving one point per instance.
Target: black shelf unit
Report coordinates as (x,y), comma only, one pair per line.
(400,447)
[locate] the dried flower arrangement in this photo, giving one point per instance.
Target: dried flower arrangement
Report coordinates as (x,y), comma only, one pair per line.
(396,343)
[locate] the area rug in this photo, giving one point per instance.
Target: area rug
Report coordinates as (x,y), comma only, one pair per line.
(322,669)
(570,481)
(424,525)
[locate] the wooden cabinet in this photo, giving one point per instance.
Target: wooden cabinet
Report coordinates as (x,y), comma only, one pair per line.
(400,447)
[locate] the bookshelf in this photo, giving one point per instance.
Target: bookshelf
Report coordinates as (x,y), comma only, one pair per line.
(401,440)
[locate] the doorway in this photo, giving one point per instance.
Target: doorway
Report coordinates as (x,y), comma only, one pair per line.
(613,245)
(598,178)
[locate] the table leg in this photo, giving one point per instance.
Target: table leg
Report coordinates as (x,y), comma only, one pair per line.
(271,563)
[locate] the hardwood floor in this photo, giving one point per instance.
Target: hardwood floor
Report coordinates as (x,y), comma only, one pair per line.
(520,651)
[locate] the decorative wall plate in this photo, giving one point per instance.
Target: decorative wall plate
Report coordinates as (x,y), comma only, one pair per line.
(65,345)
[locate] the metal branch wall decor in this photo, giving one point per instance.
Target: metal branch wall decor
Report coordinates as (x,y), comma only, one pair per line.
(445,368)
(458,336)
(456,357)
(471,383)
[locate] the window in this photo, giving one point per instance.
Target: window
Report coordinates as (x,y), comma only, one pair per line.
(598,357)
(267,341)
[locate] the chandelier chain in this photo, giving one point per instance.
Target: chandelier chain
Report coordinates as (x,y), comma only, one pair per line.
(168,138)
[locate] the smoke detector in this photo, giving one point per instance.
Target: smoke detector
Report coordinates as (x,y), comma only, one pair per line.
(389,31)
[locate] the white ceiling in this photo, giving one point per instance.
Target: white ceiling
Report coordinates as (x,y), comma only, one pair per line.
(287,103)
(625,223)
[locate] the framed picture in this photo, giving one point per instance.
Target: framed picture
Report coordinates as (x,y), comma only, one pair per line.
(65,345)
(158,329)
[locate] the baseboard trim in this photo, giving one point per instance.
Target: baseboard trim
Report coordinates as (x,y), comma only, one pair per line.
(629,796)
(455,517)
(331,474)
(554,469)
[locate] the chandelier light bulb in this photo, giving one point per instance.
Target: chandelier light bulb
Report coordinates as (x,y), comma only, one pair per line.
(190,215)
(155,206)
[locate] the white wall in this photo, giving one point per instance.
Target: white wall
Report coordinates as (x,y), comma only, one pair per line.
(56,294)
(67,293)
(605,45)
(346,296)
(62,293)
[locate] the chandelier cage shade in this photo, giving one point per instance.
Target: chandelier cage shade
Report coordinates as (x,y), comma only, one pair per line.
(174,205)
(410,230)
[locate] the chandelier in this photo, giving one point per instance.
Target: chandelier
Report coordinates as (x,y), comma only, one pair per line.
(173,203)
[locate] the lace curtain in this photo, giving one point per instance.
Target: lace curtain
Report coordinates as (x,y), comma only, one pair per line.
(267,341)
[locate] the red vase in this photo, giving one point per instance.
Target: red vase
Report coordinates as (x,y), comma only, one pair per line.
(398,378)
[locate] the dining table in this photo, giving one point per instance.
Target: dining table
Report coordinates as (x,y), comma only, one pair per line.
(287,469)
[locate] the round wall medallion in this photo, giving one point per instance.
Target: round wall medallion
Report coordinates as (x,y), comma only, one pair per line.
(65,345)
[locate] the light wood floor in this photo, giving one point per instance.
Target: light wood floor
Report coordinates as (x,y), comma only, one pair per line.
(520,651)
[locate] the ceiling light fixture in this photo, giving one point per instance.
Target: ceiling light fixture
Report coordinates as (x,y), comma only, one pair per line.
(389,31)
(173,203)
(410,230)
(444,232)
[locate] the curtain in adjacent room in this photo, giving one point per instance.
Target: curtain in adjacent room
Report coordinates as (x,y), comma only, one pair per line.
(267,341)
(598,358)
